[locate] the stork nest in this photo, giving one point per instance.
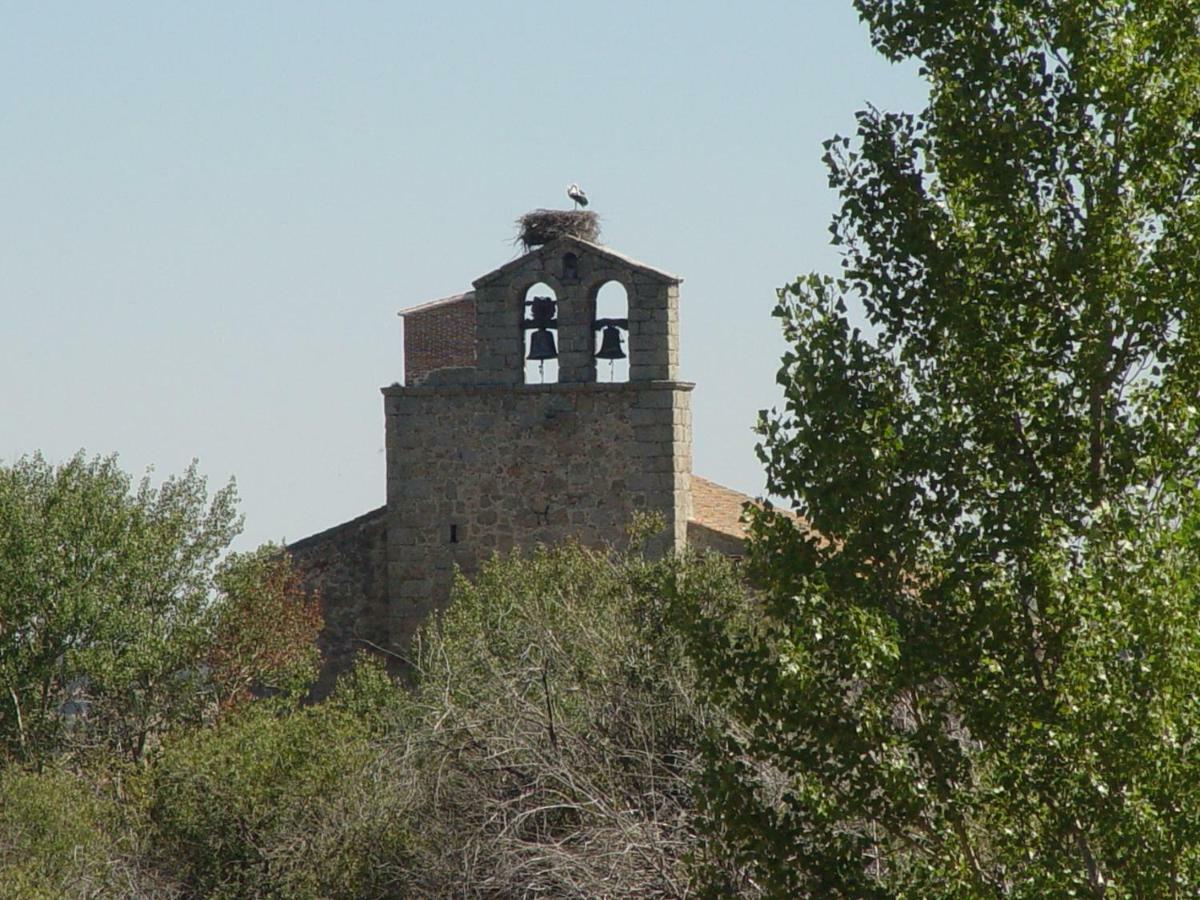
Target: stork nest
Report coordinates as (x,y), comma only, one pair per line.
(544,225)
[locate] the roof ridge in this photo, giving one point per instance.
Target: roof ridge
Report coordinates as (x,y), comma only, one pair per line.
(568,239)
(433,304)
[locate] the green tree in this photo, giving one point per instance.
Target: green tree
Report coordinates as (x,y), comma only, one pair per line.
(975,673)
(115,621)
(104,600)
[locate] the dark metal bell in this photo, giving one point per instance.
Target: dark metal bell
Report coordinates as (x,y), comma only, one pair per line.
(610,344)
(542,311)
(541,345)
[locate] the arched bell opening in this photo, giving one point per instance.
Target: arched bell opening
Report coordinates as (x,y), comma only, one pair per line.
(539,328)
(611,333)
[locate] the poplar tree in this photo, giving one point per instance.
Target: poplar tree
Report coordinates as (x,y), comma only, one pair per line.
(976,670)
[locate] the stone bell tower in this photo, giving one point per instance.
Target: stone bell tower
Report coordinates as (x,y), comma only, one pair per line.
(479,460)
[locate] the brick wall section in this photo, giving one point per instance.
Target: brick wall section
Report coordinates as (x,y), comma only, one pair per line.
(347,567)
(439,335)
(718,507)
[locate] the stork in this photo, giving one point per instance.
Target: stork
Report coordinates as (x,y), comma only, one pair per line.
(575,192)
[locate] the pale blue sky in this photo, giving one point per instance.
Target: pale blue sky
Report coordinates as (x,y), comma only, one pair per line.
(211,212)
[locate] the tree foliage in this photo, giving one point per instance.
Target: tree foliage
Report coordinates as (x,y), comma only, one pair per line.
(548,743)
(116,622)
(264,637)
(104,600)
(975,673)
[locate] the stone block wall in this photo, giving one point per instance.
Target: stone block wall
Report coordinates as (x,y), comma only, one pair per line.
(346,566)
(576,271)
(478,468)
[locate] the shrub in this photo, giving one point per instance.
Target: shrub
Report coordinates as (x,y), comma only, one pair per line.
(61,835)
(271,802)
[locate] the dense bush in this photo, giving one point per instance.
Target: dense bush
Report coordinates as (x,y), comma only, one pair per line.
(278,802)
(547,746)
(62,835)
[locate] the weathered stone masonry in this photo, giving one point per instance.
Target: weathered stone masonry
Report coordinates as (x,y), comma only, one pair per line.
(347,566)
(480,462)
(479,469)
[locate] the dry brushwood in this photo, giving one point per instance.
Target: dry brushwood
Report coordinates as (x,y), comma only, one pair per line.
(553,744)
(513,812)
(544,225)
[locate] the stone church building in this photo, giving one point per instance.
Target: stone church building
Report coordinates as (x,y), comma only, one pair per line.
(483,457)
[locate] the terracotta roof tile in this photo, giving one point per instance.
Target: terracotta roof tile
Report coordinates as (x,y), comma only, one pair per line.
(716,516)
(717,507)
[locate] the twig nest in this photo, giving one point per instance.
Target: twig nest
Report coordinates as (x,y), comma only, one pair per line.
(544,225)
